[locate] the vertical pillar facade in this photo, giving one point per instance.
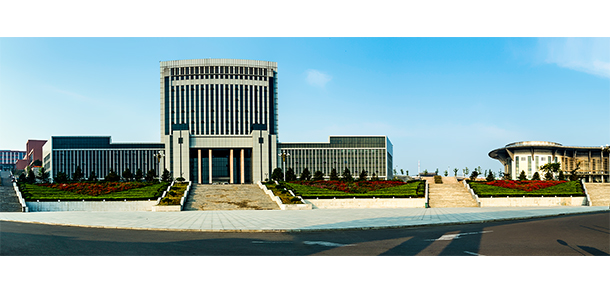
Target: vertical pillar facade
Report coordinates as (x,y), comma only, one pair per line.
(241,166)
(210,164)
(199,177)
(231,181)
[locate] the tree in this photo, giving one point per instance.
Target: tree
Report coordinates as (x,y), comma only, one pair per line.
(112,177)
(150,175)
(139,175)
(166,176)
(550,169)
(536,176)
(61,177)
(31,178)
(507,176)
(479,170)
(347,175)
(78,174)
(490,175)
(573,175)
(474,175)
(407,172)
(92,176)
(37,163)
(374,177)
(455,171)
(522,175)
(305,175)
(333,175)
(318,175)
(465,171)
(446,173)
(436,172)
(290,176)
(127,175)
(402,172)
(561,176)
(277,174)
(22,177)
(43,175)
(363,175)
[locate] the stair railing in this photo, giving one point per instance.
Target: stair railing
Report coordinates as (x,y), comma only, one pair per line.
(472,193)
(582,182)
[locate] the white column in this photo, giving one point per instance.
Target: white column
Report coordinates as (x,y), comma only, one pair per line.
(199,177)
(231,166)
(242,166)
(210,165)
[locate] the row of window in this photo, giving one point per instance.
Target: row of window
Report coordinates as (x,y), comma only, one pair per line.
(102,161)
(222,76)
(218,70)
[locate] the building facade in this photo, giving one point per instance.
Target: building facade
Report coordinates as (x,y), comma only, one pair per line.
(33,152)
(9,158)
(100,155)
(372,154)
(219,119)
(590,162)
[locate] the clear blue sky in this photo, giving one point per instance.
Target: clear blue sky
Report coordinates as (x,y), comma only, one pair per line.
(446,102)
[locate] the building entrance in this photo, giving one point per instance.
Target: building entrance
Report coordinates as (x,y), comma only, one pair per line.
(221,166)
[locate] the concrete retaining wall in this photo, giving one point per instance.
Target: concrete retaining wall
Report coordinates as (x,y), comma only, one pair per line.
(366,203)
(90,206)
(532,202)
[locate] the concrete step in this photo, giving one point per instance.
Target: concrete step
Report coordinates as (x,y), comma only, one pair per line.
(228,197)
(450,195)
(599,193)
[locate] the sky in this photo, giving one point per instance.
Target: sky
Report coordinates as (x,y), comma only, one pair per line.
(444,103)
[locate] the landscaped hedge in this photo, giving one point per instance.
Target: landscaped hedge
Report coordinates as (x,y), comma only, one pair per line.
(175,194)
(281,191)
(367,189)
(527,188)
(92,191)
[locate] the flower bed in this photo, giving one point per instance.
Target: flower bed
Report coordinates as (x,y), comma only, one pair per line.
(92,191)
(364,189)
(281,191)
(174,195)
(527,188)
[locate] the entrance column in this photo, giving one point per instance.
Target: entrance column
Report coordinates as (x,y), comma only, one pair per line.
(199,180)
(210,164)
(241,166)
(231,166)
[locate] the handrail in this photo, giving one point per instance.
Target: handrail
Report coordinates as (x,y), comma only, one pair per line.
(24,207)
(582,182)
(427,203)
(472,193)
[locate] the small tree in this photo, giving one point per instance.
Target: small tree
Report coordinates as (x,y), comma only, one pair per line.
(61,177)
(150,175)
(374,177)
(166,176)
(318,175)
(22,177)
(139,175)
(37,163)
(548,176)
(127,175)
(465,171)
(277,174)
(402,172)
(536,176)
(436,172)
(112,176)
(446,173)
(31,178)
(507,176)
(78,174)
(290,176)
(561,175)
(522,175)
(92,176)
(550,169)
(474,175)
(573,175)
(333,175)
(43,175)
(455,171)
(347,175)
(490,176)
(305,175)
(363,175)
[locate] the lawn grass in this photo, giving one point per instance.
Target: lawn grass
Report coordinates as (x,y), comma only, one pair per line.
(411,189)
(33,192)
(571,188)
(281,191)
(174,195)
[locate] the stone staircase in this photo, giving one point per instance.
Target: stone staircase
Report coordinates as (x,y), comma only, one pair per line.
(204,197)
(599,193)
(9,202)
(449,194)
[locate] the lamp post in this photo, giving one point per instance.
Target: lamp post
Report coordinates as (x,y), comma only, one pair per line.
(284,155)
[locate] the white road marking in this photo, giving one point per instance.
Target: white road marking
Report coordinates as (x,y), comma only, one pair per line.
(472,253)
(325,243)
(457,235)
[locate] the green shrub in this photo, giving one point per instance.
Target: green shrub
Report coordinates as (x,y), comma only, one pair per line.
(438,179)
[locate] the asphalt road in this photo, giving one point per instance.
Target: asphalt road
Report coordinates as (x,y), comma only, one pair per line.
(577,235)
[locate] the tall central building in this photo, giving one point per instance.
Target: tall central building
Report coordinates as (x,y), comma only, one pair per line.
(219,119)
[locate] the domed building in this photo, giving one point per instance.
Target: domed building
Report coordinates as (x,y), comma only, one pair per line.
(529,156)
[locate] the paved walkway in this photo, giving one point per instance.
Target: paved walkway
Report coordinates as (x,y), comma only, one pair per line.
(301,220)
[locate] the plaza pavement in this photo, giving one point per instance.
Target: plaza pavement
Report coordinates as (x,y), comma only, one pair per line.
(288,220)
